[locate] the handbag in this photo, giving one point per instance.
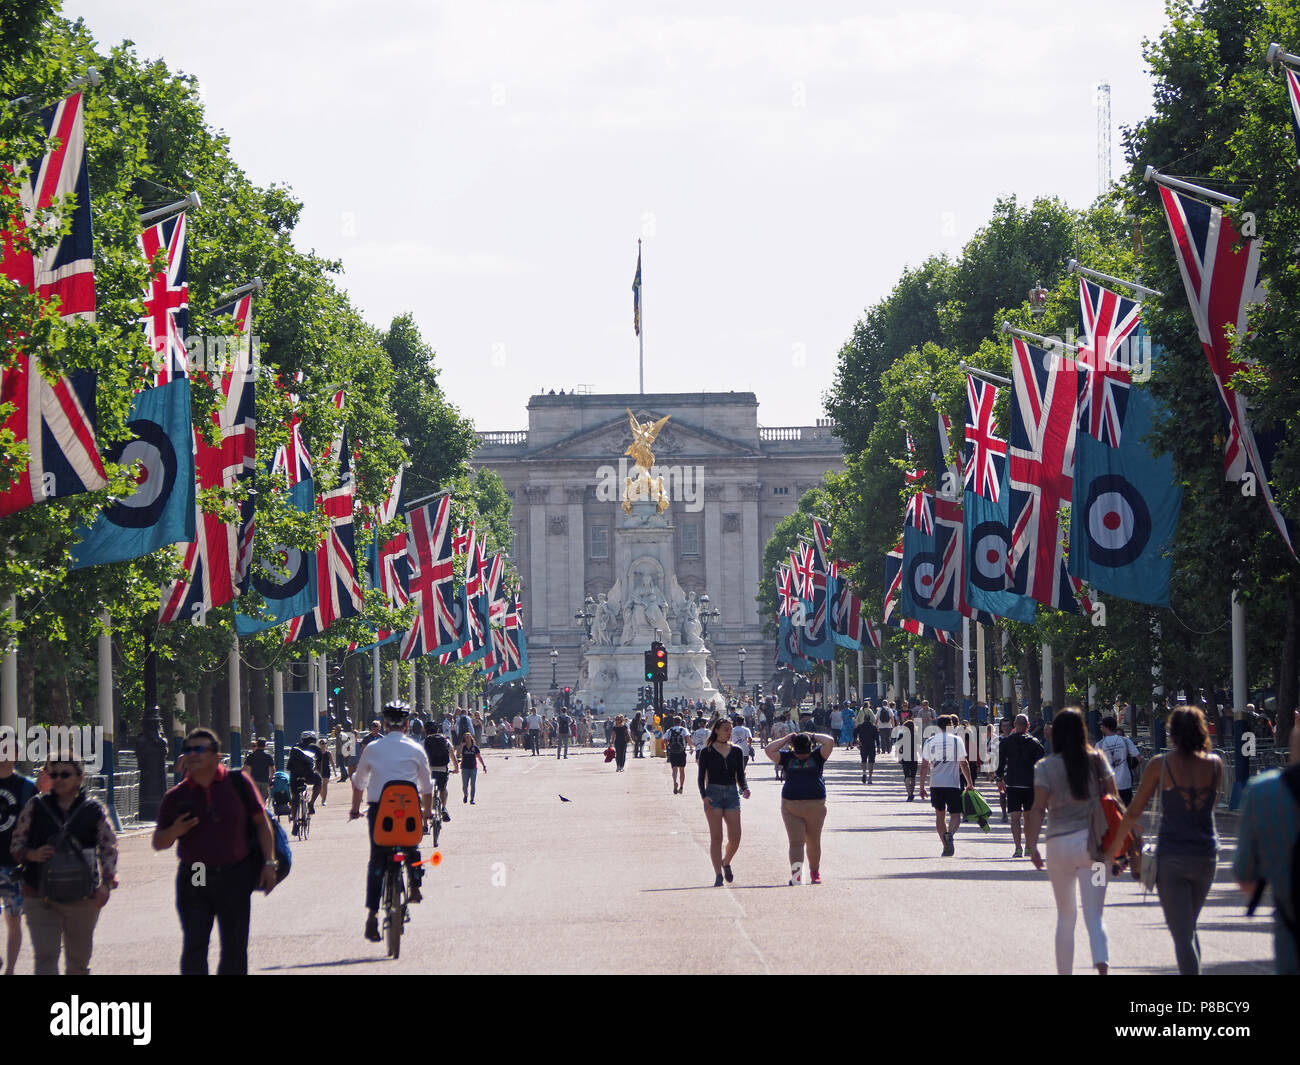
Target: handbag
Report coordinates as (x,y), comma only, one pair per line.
(279,840)
(1098,825)
(68,875)
(1148,860)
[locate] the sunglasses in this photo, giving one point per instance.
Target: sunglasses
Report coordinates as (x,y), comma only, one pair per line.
(196,750)
(60,774)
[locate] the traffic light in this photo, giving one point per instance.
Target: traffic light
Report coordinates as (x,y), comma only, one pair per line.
(660,669)
(650,665)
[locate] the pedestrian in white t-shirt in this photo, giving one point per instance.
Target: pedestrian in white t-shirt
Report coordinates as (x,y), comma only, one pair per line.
(943,756)
(1118,750)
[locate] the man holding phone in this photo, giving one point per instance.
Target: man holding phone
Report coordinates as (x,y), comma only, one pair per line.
(212,812)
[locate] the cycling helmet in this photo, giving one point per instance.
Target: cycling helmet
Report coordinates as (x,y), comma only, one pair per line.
(307,737)
(397,710)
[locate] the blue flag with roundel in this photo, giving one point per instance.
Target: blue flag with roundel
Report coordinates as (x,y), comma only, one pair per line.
(1124,512)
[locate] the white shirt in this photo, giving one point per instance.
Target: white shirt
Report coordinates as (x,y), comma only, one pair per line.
(1118,750)
(534,721)
(392,757)
(945,753)
(740,736)
(700,737)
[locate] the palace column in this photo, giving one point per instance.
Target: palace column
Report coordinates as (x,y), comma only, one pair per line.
(713,564)
(749,577)
(574,497)
(536,496)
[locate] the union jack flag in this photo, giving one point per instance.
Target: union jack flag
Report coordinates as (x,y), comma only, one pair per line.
(803,570)
(1106,322)
(55,418)
(392,573)
(167,299)
(786,596)
(515,647)
(337,588)
(219,560)
(918,513)
(496,610)
(1041,473)
(1293,94)
(294,459)
(1221,275)
(433,568)
(949,590)
(985,451)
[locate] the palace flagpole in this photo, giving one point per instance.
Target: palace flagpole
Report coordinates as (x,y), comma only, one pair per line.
(636,314)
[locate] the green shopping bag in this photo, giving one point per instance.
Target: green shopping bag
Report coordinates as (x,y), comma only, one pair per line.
(974,808)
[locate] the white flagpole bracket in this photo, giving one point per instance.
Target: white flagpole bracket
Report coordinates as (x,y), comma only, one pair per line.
(1152,174)
(985,375)
(1276,55)
(1075,267)
(426,499)
(256,285)
(161,214)
(91,77)
(1038,338)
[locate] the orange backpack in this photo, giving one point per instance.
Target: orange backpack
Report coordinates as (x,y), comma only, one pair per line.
(400,820)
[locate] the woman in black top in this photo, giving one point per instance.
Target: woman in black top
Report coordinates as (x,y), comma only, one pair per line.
(638,734)
(621,735)
(722,782)
(803,798)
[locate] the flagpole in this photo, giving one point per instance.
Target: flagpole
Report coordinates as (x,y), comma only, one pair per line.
(376,682)
(1152,174)
(985,375)
(1073,266)
(640,301)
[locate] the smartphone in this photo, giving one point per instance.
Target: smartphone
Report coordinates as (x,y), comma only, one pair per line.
(187,809)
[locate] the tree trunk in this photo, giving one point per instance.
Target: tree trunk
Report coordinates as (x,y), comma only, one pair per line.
(60,712)
(352,687)
(1033,673)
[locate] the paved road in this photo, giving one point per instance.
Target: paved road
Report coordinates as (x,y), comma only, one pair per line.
(618,881)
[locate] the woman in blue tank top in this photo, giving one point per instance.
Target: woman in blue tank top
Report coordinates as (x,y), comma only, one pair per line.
(1187,846)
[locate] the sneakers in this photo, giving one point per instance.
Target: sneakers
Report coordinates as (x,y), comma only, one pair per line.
(414,895)
(1019,853)
(948,849)
(816,877)
(726,872)
(446,817)
(795,869)
(864,778)
(372,929)
(718,881)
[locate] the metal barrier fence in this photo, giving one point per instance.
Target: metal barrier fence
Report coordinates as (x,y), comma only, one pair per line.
(126,794)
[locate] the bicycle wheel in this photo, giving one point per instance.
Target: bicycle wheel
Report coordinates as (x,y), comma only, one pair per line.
(306,819)
(435,824)
(395,910)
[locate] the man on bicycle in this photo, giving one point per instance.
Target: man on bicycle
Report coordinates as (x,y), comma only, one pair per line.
(394,757)
(442,758)
(302,763)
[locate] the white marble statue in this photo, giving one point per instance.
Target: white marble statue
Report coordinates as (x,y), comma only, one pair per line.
(602,624)
(644,612)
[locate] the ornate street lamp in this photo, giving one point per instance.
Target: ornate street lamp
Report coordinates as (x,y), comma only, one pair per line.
(741,655)
(555,658)
(707,614)
(586,614)
(1038,300)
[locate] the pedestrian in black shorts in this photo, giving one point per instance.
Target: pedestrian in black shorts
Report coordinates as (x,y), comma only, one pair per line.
(944,757)
(909,744)
(867,734)
(1017,756)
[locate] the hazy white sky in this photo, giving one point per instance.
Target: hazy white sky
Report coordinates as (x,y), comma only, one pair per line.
(489,166)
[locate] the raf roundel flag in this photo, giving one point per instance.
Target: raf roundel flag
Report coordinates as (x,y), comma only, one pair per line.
(288,586)
(160,511)
(921,565)
(1125,510)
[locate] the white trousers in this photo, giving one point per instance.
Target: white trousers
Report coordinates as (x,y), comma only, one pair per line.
(1068,863)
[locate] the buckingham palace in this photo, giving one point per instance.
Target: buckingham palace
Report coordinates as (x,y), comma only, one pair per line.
(729,481)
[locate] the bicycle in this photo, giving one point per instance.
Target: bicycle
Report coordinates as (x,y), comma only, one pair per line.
(301,814)
(392,902)
(435,820)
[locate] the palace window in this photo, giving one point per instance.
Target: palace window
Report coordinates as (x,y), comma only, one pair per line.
(690,541)
(600,541)
(780,490)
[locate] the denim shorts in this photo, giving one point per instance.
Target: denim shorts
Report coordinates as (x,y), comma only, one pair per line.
(723,796)
(11,893)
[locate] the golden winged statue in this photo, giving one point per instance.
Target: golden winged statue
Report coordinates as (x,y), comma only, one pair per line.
(643,435)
